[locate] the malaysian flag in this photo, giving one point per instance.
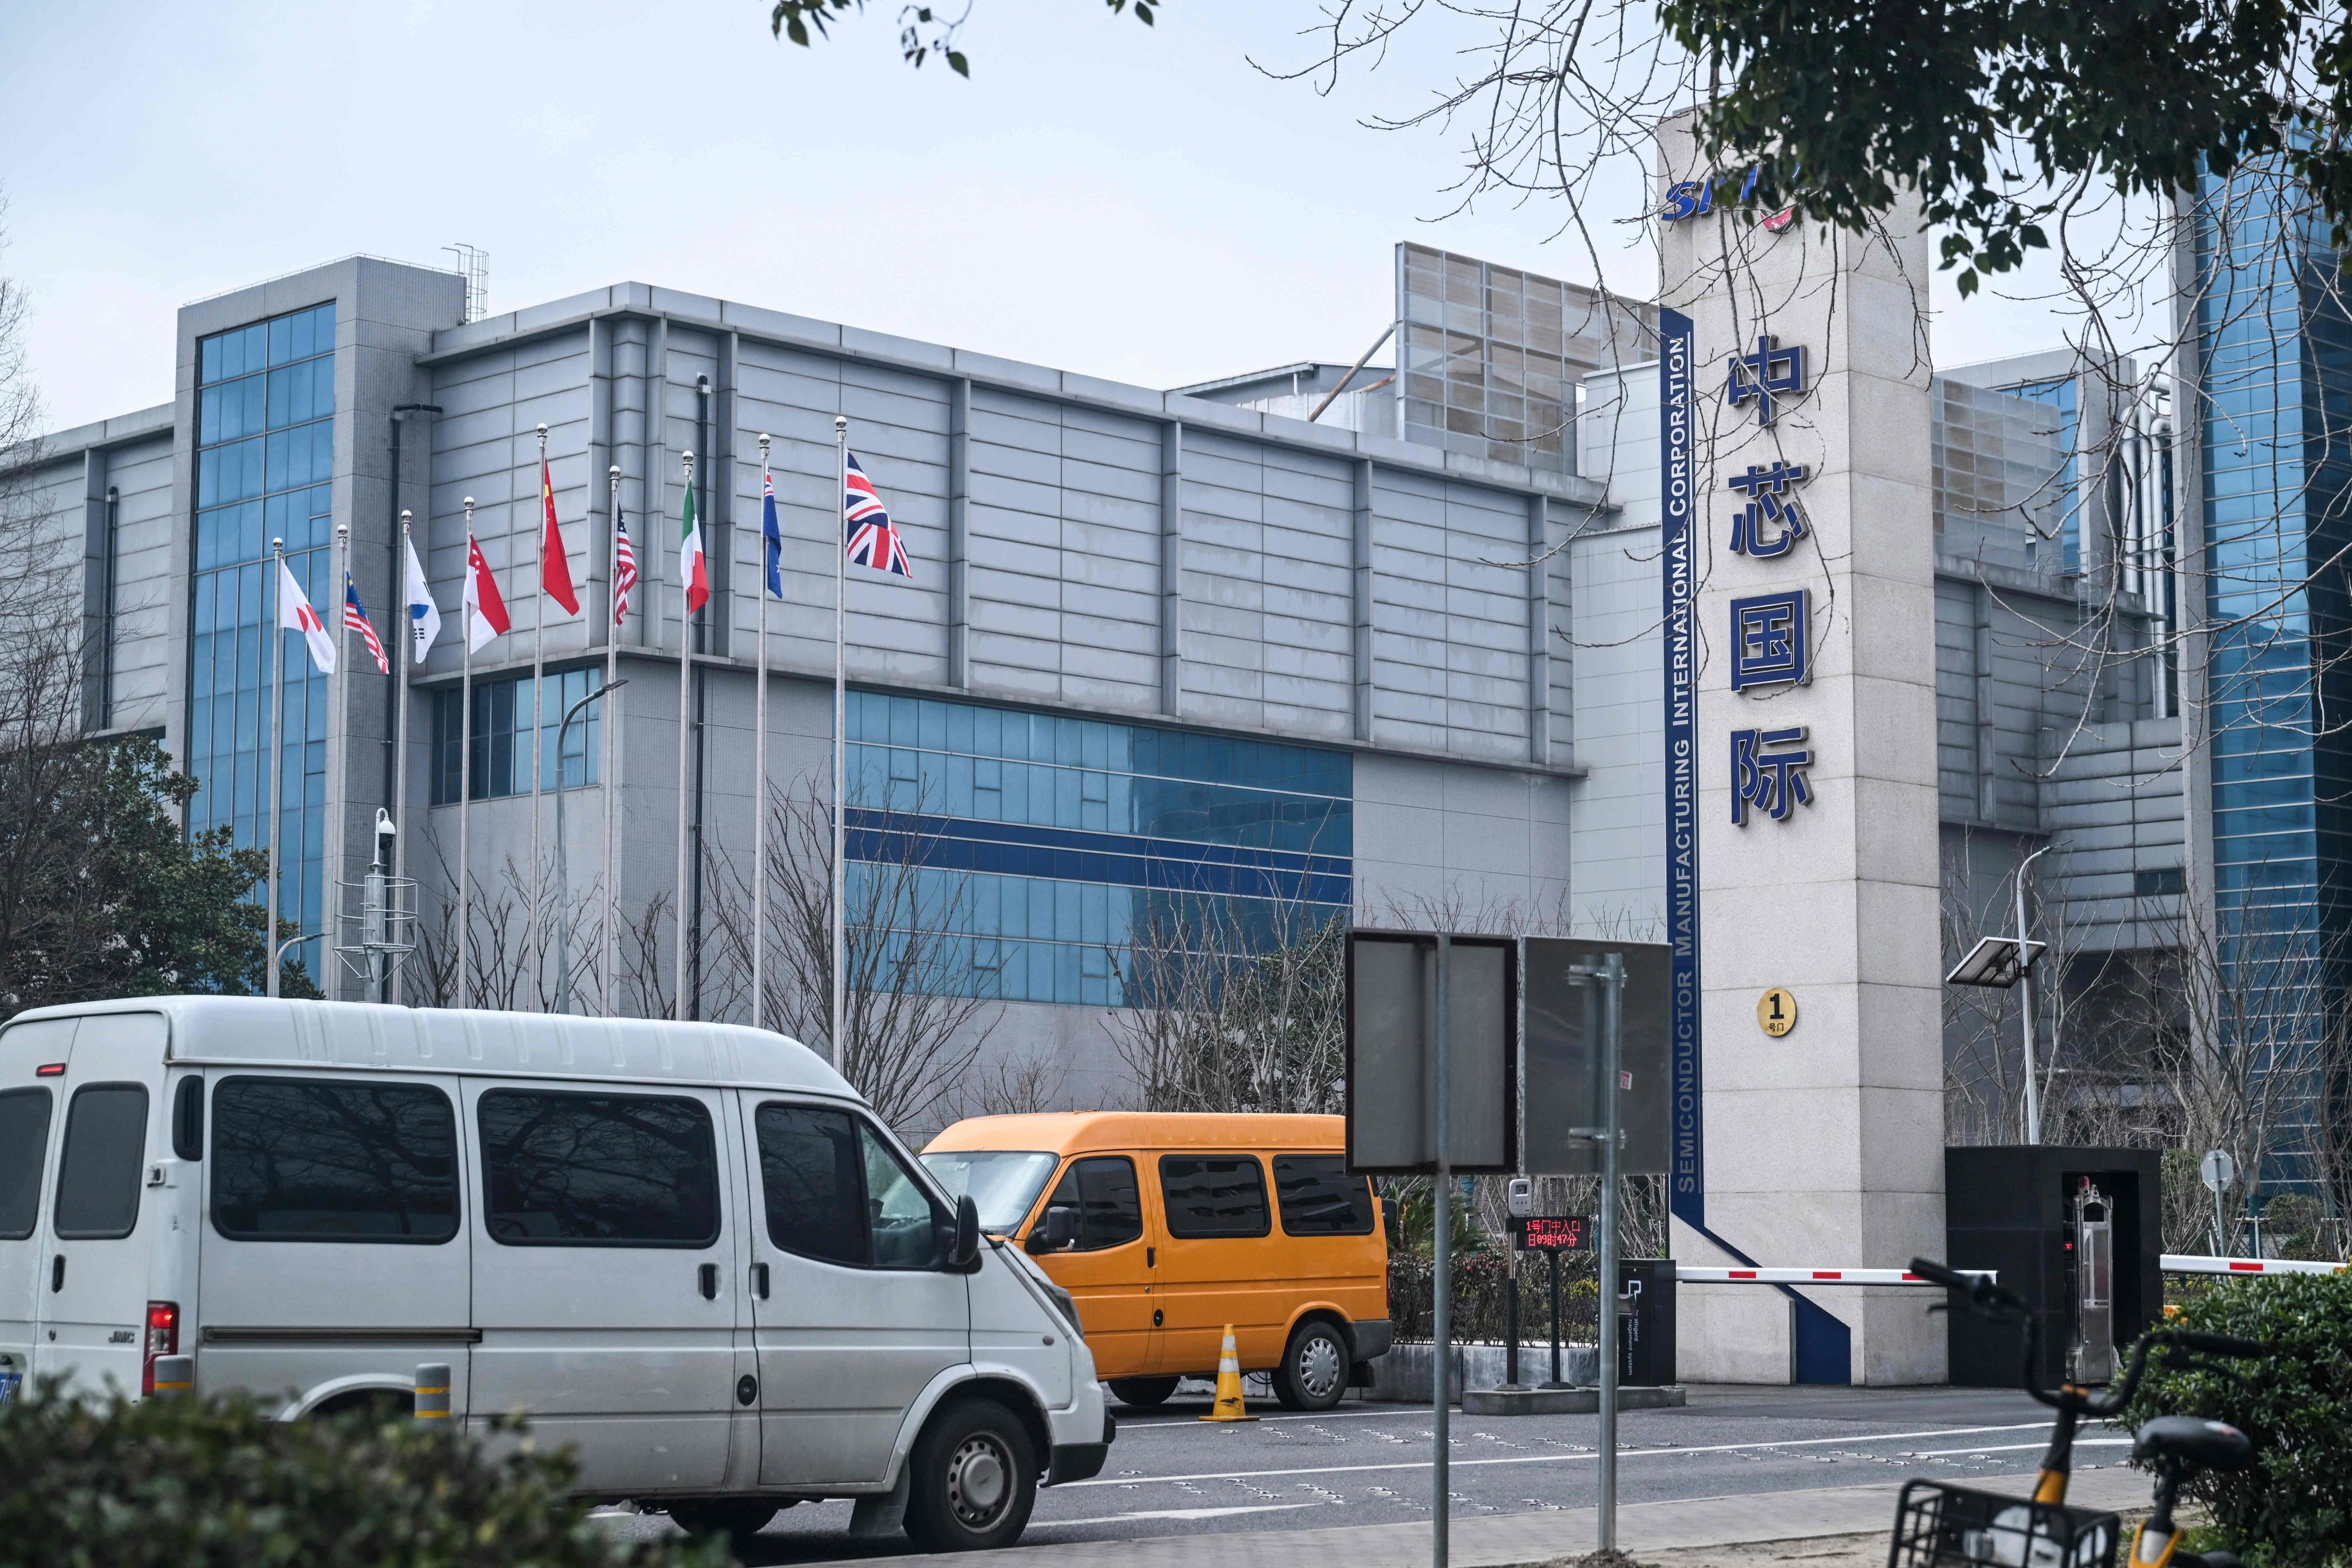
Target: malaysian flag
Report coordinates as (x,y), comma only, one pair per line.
(625,569)
(873,540)
(355,620)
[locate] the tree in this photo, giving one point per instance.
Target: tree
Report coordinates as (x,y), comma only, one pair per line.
(914,1024)
(922,32)
(1993,109)
(102,894)
(1222,1017)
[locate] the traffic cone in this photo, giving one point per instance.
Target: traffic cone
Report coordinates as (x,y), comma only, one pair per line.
(1228,1407)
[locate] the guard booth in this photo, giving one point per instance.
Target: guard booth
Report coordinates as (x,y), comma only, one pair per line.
(2078,1233)
(1645,1321)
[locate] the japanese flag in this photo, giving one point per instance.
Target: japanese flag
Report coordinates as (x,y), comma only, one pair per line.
(295,615)
(486,611)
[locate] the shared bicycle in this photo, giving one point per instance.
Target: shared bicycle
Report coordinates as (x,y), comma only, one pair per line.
(1939,1525)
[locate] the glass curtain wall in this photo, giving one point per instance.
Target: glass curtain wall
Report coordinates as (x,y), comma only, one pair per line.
(503,728)
(1041,847)
(2276,347)
(265,455)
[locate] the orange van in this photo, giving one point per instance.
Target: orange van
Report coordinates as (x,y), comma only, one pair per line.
(1166,1228)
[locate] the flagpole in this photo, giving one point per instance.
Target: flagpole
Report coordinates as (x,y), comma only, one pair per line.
(465,781)
(331,881)
(760,747)
(533,940)
(407,656)
(840,545)
(277,759)
(611,943)
(685,727)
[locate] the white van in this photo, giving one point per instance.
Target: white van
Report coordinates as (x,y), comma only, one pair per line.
(687,1250)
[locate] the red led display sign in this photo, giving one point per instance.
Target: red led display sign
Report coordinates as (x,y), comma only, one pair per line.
(1553,1233)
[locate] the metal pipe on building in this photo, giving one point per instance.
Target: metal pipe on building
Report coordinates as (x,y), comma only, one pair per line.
(395,760)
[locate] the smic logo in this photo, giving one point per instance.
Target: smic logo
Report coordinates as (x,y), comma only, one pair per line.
(1696,198)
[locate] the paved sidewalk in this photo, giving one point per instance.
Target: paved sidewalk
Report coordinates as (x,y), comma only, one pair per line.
(1512,1540)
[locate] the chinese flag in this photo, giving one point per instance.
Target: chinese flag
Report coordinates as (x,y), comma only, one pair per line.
(555,567)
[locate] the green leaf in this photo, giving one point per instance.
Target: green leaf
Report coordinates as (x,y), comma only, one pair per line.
(957,64)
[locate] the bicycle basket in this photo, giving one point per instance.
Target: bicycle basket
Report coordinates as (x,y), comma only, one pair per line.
(1939,1526)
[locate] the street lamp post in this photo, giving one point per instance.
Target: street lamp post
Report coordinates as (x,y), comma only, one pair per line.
(562,862)
(2025,1004)
(1999,963)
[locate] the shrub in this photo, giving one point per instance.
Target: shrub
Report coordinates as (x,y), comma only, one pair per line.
(185,1481)
(2293,1507)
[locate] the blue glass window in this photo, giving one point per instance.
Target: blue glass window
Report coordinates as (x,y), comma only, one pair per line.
(1048,844)
(504,730)
(2276,351)
(265,457)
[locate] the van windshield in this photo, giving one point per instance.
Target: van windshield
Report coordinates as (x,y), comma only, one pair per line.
(1002,1183)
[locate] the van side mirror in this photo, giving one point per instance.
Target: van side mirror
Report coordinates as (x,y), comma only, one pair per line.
(1389,1221)
(965,1253)
(1057,1228)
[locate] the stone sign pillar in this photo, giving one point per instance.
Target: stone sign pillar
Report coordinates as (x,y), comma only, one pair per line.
(1802,866)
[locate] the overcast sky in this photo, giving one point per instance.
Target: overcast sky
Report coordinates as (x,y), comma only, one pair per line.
(1133,202)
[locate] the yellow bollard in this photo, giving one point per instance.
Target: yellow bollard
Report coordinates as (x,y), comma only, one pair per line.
(1228,1407)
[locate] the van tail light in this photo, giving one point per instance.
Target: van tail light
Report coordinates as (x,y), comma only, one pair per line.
(163,1339)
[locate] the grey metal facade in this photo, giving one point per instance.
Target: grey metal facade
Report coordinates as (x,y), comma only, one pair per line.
(1480,639)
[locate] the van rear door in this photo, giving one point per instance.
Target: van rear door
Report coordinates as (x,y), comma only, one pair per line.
(29,1125)
(92,1312)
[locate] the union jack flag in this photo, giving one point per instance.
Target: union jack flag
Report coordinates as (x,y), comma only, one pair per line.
(355,619)
(872,539)
(624,570)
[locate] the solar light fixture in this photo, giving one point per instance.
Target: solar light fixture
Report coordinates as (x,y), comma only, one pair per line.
(1999,962)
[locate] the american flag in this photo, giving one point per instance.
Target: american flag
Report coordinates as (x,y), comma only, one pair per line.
(873,540)
(355,620)
(624,570)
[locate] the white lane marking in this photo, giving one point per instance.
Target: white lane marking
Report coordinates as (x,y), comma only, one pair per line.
(2011,1447)
(1178,1513)
(1137,1424)
(1849,1437)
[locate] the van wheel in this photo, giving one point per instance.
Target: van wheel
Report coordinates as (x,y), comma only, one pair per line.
(738,1519)
(1314,1369)
(1143,1393)
(973,1480)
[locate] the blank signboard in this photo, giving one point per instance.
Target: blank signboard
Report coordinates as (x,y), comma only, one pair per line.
(1562,1058)
(1391,1060)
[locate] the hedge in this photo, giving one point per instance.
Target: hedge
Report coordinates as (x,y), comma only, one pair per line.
(130,1484)
(2293,1507)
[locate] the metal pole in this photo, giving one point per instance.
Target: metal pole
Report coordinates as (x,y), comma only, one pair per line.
(1612,987)
(275,758)
(1556,1380)
(563,860)
(840,706)
(1441,1276)
(2025,1000)
(534,934)
(330,879)
(760,753)
(609,943)
(465,782)
(407,656)
(1511,1314)
(685,732)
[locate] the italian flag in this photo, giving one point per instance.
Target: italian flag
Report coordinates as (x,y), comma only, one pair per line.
(691,566)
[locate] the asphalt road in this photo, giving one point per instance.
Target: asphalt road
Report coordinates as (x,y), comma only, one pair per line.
(1171,1473)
